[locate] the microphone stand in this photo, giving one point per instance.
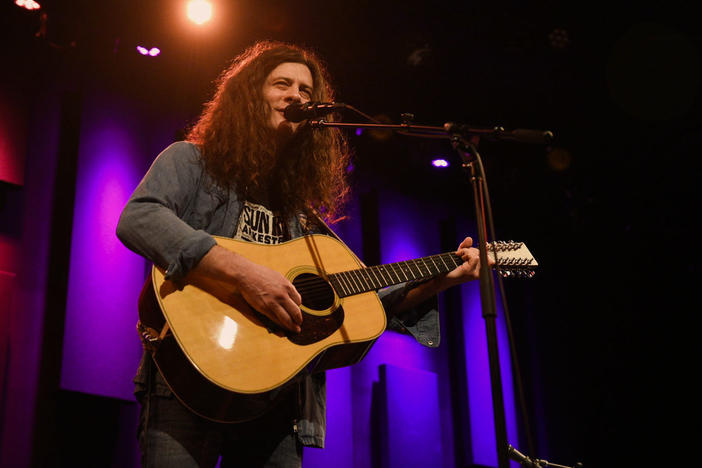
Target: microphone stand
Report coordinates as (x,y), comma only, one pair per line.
(470,156)
(459,135)
(524,460)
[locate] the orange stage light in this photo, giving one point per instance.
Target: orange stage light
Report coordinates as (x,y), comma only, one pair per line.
(199,11)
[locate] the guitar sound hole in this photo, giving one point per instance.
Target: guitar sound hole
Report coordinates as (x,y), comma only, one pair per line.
(317,294)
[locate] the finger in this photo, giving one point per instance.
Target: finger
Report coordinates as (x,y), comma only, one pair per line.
(294,295)
(283,318)
(491,260)
(468,254)
(472,265)
(293,311)
(467,243)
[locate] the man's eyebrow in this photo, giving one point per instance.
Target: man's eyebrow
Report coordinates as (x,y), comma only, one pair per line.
(281,77)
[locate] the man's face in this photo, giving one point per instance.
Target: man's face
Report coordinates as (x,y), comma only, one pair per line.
(288,83)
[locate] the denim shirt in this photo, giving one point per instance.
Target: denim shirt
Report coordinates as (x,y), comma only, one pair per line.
(170,220)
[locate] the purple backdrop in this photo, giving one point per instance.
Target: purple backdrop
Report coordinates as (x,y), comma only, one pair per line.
(101,347)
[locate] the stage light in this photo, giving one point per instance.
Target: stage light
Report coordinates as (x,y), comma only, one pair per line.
(28,4)
(153,52)
(199,11)
(440,163)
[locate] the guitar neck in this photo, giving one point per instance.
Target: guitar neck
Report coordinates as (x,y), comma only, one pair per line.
(512,259)
(349,283)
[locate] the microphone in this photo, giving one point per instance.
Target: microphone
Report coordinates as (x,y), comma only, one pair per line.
(310,110)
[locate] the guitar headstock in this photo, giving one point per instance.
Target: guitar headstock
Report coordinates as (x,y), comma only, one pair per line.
(512,259)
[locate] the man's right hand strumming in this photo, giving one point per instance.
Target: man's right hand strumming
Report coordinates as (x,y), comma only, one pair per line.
(265,290)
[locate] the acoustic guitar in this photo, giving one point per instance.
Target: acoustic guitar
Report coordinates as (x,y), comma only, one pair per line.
(230,363)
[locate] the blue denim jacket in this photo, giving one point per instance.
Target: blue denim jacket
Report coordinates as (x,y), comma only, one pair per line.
(170,220)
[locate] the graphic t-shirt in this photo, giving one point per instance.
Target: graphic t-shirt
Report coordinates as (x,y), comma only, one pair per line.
(261,225)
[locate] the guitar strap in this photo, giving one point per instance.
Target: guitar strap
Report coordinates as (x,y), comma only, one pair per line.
(331,233)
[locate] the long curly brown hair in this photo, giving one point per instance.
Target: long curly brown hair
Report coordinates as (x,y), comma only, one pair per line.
(239,148)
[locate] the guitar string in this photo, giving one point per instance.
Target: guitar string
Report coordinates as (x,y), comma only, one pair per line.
(317,288)
(314,289)
(387,271)
(401,267)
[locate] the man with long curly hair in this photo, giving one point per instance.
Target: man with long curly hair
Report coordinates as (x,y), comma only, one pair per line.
(246,172)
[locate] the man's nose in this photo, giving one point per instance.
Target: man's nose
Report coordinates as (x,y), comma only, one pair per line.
(293,95)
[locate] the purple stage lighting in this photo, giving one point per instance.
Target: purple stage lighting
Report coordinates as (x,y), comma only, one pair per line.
(440,163)
(153,52)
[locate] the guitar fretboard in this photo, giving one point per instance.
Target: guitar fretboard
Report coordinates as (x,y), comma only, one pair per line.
(348,283)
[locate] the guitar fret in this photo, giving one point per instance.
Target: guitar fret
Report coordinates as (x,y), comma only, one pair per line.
(357,280)
(341,284)
(441,257)
(405,267)
(392,270)
(383,270)
(423,269)
(380,284)
(435,265)
(379,270)
(336,284)
(431,266)
(364,277)
(352,282)
(401,271)
(409,264)
(424,263)
(428,267)
(359,284)
(346,282)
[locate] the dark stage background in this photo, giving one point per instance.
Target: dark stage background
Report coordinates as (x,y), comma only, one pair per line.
(605,332)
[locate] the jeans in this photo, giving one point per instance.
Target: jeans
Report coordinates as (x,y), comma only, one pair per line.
(170,435)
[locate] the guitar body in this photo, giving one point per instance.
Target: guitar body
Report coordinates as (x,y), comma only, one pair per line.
(227,362)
